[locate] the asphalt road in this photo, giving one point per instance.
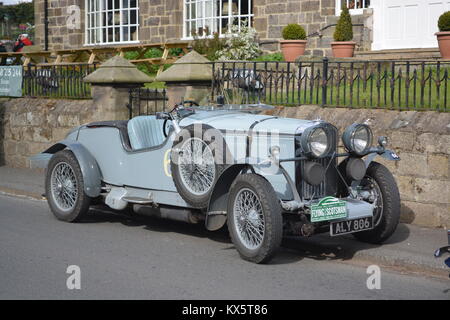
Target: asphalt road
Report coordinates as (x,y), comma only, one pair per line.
(145,258)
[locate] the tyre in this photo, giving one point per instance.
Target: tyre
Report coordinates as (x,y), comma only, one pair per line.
(196,163)
(64,187)
(254,218)
(381,183)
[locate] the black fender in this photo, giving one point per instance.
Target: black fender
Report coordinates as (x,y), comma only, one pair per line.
(89,168)
(216,215)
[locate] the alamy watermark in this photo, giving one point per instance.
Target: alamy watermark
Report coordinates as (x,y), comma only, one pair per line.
(74,17)
(374,280)
(74,280)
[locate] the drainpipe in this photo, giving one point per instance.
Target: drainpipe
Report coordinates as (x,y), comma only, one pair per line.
(46,25)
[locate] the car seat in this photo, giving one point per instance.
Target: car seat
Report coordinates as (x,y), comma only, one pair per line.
(145,132)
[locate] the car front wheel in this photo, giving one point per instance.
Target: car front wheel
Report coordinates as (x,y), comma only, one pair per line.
(254,218)
(380,182)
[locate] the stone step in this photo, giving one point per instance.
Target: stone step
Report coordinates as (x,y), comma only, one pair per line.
(400,54)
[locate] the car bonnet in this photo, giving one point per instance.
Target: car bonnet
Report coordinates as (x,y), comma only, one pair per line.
(239,121)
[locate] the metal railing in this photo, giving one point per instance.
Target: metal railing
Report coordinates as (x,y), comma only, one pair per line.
(146,101)
(397,85)
(57,81)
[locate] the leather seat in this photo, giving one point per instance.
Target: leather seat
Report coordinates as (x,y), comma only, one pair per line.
(145,132)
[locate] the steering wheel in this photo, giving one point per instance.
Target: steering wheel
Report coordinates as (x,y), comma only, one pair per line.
(165,127)
(190,102)
(178,113)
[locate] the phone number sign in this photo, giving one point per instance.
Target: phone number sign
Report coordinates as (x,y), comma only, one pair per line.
(11,81)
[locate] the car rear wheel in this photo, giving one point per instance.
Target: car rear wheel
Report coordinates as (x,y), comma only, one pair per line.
(254,218)
(64,187)
(380,182)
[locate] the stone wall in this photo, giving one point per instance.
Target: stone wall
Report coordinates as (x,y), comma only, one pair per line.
(162,20)
(29,126)
(422,140)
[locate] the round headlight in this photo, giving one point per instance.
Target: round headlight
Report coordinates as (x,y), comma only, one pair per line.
(358,139)
(315,142)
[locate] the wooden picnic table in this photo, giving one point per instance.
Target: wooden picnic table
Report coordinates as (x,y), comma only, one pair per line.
(36,57)
(98,54)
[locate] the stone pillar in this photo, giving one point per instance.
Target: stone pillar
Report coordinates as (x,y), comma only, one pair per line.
(110,86)
(189,78)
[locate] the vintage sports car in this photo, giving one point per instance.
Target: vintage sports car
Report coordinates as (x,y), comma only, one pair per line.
(264,176)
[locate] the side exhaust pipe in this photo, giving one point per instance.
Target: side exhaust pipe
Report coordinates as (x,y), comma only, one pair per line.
(168,212)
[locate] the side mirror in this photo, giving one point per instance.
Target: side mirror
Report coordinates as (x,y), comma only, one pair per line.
(162,115)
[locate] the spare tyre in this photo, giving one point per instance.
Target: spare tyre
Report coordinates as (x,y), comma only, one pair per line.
(197,160)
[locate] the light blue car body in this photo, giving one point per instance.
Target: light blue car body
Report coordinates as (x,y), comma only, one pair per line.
(107,160)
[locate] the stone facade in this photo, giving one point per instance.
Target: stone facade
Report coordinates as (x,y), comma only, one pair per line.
(162,20)
(59,35)
(318,17)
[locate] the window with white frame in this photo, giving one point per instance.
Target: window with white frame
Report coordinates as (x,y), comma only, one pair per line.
(111,21)
(206,17)
(355,6)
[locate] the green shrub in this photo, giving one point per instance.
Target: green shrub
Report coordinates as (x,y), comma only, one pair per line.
(444,22)
(344,28)
(294,31)
(208,46)
(277,56)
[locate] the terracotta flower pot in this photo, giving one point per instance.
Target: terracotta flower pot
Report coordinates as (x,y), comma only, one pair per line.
(292,49)
(343,49)
(444,43)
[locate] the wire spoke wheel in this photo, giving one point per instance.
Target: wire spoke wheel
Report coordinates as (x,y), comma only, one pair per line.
(196,166)
(254,218)
(249,219)
(376,198)
(64,186)
(384,195)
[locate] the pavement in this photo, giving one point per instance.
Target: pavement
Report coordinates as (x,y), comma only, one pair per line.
(409,250)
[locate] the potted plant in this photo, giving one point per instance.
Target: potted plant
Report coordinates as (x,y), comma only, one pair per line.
(443,36)
(294,42)
(343,46)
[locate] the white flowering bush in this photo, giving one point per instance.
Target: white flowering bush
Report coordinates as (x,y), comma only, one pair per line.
(240,45)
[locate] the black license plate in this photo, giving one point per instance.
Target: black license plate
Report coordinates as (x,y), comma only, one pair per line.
(351,226)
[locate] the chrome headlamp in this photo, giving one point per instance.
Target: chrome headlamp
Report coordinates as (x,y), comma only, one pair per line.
(357,139)
(315,142)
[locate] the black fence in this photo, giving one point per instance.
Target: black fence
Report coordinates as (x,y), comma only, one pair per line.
(146,101)
(58,81)
(399,85)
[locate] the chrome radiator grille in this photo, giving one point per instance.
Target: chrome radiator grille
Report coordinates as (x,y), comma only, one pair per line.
(329,186)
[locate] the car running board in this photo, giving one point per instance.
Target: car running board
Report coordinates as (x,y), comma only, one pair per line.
(137,200)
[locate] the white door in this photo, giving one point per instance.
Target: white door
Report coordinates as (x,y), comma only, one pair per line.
(400,24)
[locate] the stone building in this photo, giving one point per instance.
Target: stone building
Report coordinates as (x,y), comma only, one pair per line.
(378,24)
